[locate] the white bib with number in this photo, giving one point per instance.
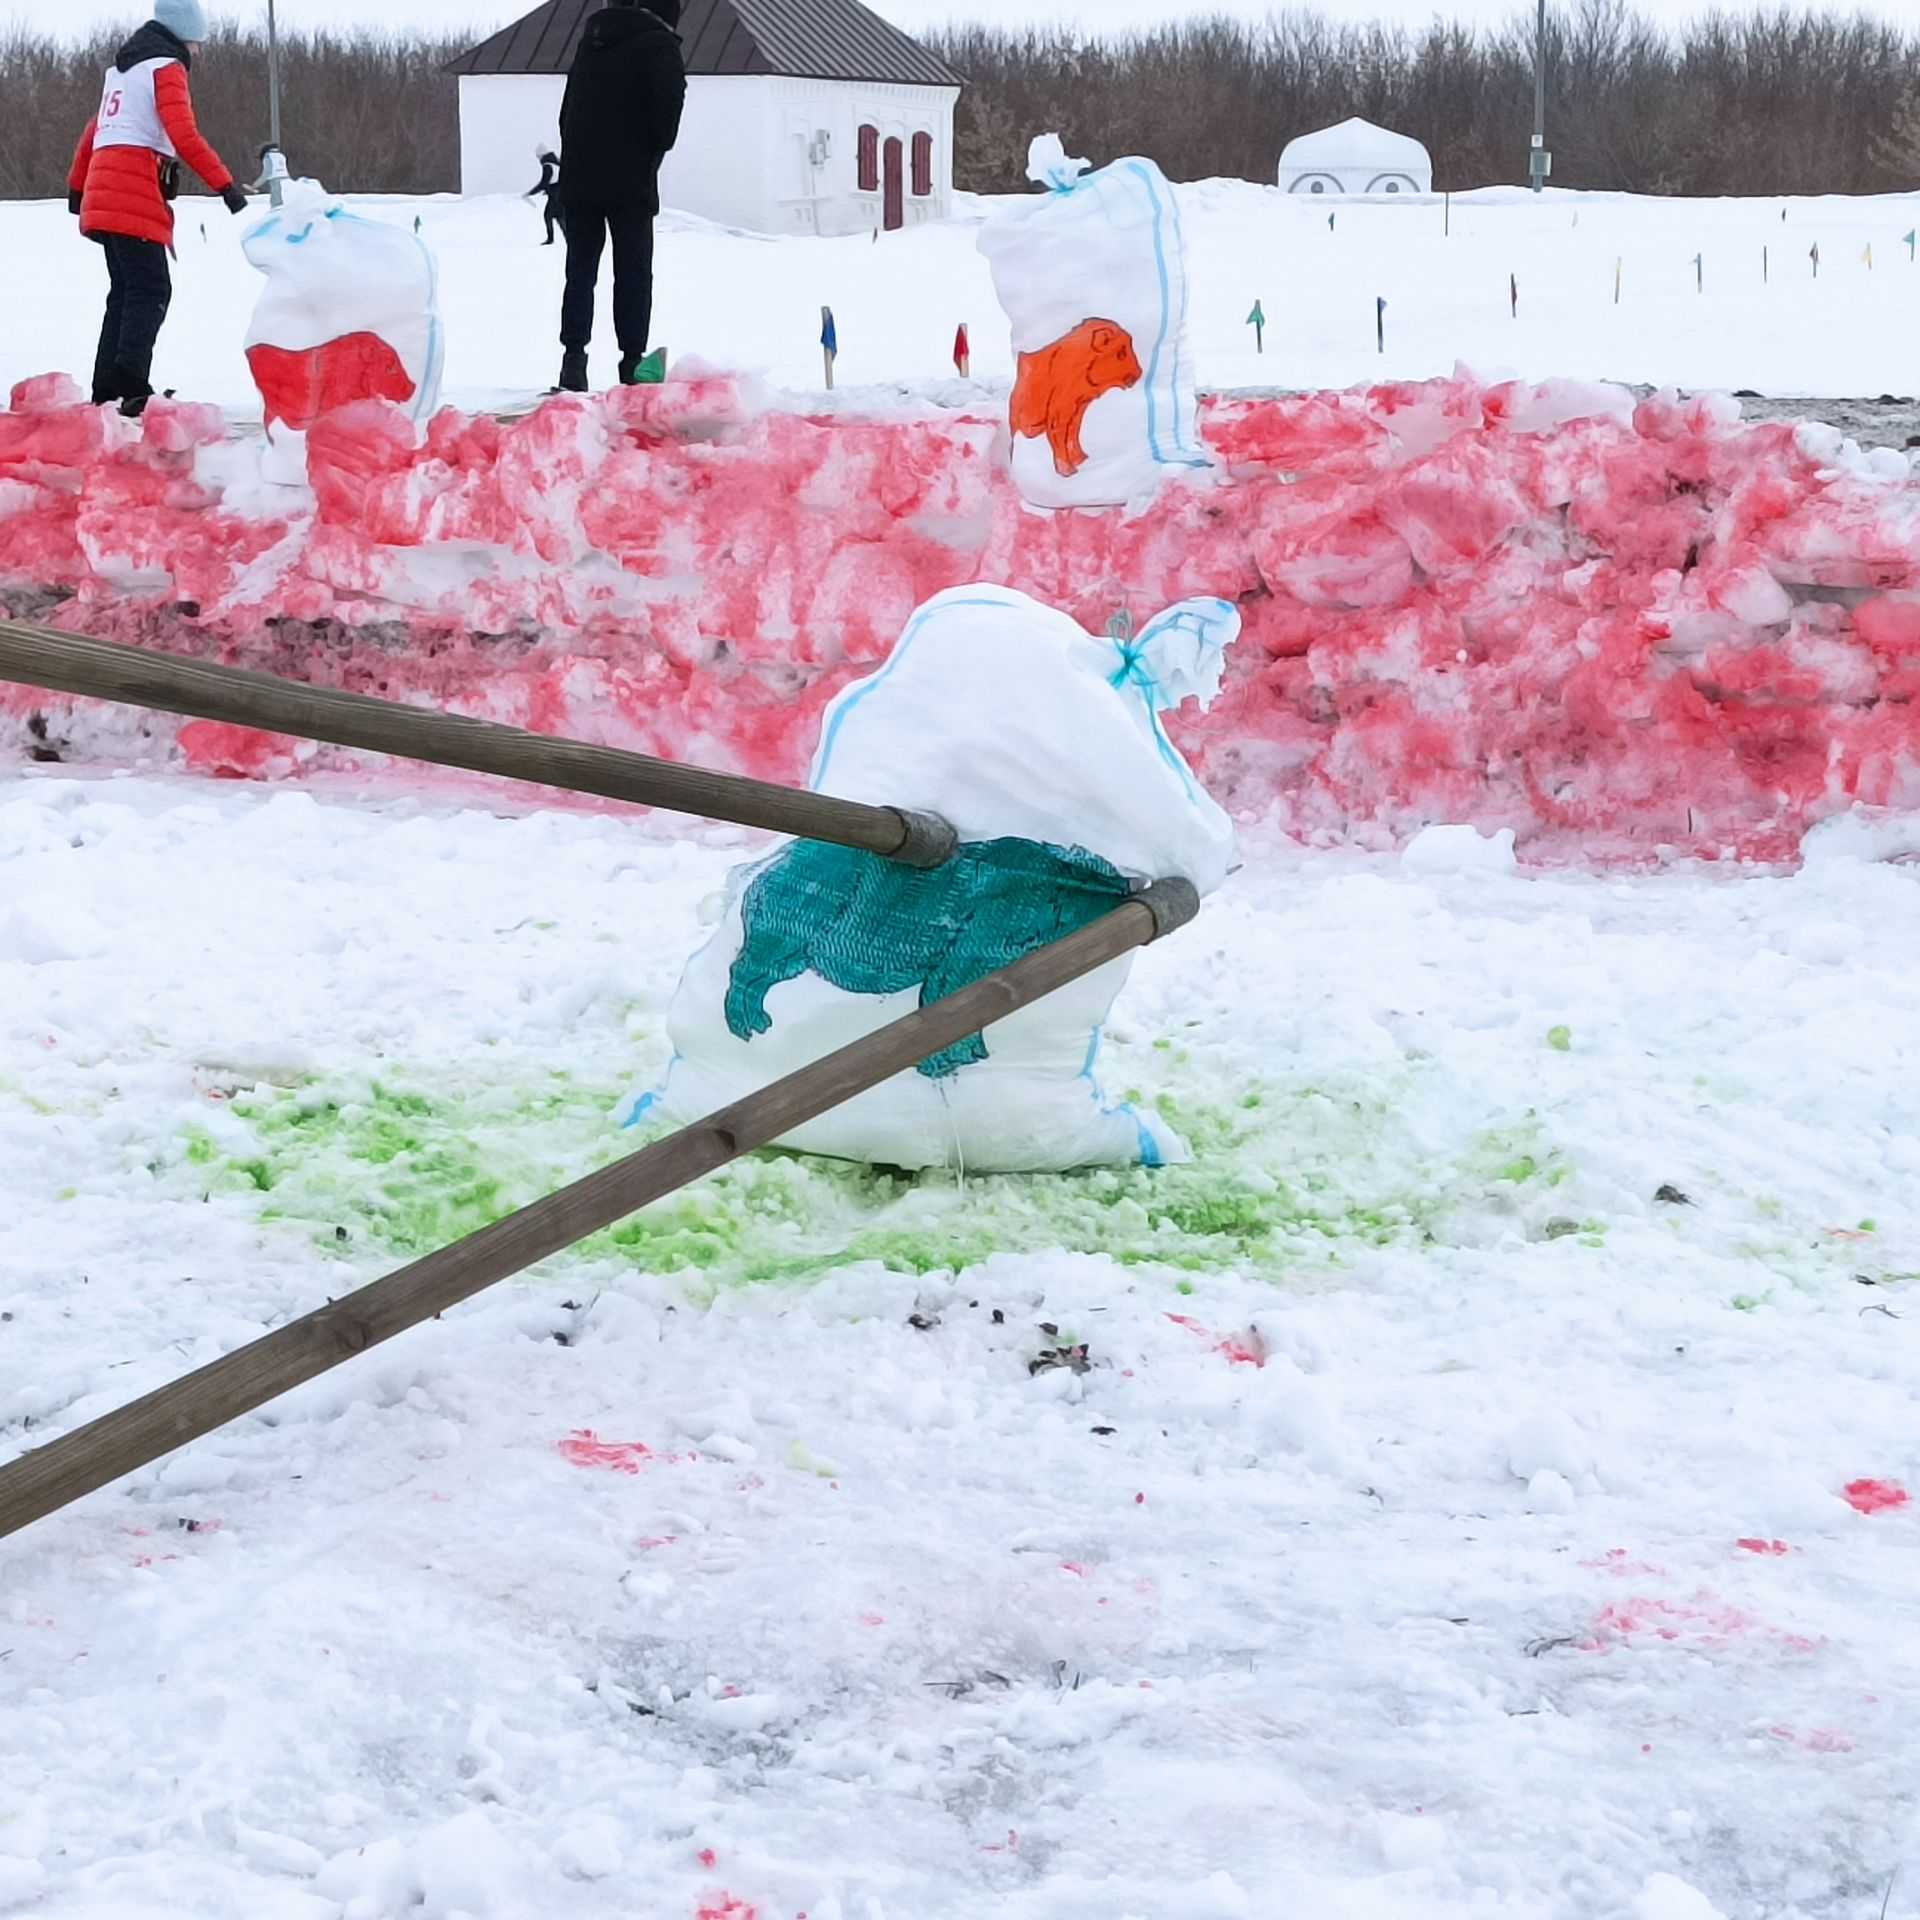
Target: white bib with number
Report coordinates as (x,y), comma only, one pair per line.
(130,110)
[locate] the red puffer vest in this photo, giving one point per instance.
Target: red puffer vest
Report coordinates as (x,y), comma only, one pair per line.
(145,118)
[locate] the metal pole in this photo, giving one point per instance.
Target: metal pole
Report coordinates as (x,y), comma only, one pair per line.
(78,1463)
(142,677)
(1537,160)
(273,72)
(275,175)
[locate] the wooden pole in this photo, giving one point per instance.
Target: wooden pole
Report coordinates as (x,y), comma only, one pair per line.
(78,1463)
(168,683)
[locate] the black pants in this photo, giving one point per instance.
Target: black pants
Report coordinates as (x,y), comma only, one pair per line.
(587,230)
(140,290)
(556,216)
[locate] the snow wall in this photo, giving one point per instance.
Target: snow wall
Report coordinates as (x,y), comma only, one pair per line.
(1620,629)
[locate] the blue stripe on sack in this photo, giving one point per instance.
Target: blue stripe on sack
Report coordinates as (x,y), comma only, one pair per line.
(1169,331)
(1150,1154)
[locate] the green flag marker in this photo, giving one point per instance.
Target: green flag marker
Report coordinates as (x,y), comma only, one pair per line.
(1257,320)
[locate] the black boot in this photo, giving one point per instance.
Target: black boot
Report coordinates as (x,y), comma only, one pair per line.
(573,371)
(135,404)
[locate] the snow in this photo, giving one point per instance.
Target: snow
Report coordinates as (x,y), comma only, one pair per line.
(1665,1898)
(743,1565)
(1475,1485)
(746,301)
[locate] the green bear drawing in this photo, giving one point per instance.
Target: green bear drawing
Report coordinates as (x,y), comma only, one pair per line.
(868,925)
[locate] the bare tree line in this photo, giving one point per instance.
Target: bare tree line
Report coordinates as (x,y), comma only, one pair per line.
(1776,102)
(367,112)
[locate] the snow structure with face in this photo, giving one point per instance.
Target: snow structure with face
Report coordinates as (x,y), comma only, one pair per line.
(350,312)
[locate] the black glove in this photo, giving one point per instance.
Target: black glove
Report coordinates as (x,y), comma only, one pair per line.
(73,204)
(236,199)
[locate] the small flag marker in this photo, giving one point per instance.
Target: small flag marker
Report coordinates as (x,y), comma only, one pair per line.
(1867,257)
(1513,293)
(1699,273)
(1330,221)
(829,343)
(1814,256)
(1257,320)
(1911,240)
(963,353)
(1619,267)
(1380,323)
(1766,266)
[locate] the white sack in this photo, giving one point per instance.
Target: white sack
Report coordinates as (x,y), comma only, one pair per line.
(1042,744)
(1093,276)
(350,312)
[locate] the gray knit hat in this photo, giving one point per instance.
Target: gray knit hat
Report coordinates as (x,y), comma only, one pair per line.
(184,19)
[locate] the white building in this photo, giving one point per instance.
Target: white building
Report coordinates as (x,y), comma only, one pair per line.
(1356,157)
(803,116)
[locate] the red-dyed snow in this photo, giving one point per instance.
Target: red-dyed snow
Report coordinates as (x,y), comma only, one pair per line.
(1815,1739)
(1247,1352)
(1611,633)
(1703,1621)
(586,1449)
(1771,1547)
(725,1906)
(1877,1496)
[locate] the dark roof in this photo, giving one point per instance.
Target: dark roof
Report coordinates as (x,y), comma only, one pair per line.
(805,39)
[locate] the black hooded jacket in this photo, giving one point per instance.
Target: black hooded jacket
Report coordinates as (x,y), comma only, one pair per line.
(153,42)
(621,115)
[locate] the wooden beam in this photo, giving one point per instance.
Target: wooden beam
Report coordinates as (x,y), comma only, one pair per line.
(38,656)
(61,1471)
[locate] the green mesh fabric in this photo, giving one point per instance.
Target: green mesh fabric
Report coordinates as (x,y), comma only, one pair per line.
(868,925)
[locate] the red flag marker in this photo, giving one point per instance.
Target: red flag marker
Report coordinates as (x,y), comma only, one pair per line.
(963,353)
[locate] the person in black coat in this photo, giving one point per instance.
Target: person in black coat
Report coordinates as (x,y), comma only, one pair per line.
(548,194)
(619,120)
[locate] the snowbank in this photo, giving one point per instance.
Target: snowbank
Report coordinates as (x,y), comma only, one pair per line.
(1608,627)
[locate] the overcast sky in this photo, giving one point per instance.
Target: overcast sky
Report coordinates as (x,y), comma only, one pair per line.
(480,16)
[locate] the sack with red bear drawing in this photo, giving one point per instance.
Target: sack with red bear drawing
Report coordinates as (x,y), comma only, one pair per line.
(350,312)
(1093,276)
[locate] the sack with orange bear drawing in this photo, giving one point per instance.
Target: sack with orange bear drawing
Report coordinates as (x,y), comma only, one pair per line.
(1093,276)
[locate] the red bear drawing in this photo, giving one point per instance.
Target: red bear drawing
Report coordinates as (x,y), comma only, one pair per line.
(299,387)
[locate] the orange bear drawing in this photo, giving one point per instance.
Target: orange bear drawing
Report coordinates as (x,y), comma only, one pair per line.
(1058,384)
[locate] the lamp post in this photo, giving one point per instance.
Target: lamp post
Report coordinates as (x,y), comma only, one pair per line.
(1540,161)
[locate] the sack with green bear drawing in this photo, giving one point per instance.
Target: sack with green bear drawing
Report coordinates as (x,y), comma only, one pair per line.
(1043,745)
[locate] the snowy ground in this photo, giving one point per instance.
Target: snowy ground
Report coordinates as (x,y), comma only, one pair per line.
(742,1567)
(753,303)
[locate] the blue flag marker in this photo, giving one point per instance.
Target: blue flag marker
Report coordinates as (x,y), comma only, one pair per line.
(1380,322)
(829,342)
(1912,238)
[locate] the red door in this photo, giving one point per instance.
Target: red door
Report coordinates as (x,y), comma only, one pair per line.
(896,186)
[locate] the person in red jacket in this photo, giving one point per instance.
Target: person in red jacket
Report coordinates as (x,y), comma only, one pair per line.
(123,180)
